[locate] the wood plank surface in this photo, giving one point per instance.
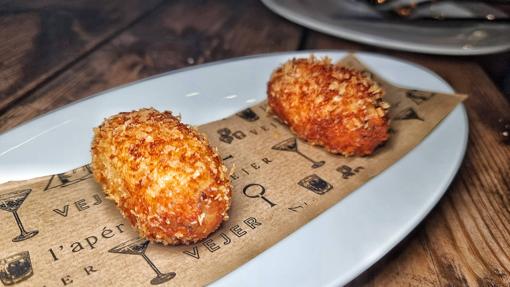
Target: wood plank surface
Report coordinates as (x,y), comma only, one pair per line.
(165,40)
(466,239)
(41,38)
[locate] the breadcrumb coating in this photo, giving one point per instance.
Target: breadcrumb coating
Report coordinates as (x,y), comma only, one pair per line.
(162,174)
(329,105)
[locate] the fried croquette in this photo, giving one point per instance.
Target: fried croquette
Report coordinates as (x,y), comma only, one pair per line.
(162,174)
(329,105)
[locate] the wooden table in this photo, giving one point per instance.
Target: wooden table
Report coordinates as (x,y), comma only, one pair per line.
(56,52)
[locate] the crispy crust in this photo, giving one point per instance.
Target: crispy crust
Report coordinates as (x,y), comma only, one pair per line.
(329,105)
(163,175)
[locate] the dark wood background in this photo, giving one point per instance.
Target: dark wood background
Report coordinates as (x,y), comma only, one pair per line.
(55,52)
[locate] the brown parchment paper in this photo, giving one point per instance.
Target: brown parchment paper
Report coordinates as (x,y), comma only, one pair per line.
(74,236)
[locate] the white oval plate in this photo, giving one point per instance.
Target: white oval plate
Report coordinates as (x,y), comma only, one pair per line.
(441,38)
(330,250)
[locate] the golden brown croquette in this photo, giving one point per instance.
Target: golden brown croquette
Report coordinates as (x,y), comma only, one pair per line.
(162,174)
(328,105)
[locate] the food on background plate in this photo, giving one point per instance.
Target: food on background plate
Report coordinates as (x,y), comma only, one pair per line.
(163,175)
(329,105)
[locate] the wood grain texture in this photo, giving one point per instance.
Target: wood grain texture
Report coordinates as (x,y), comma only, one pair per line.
(497,66)
(167,39)
(41,38)
(466,239)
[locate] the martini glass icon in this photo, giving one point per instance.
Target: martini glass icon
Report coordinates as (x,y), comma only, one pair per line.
(11,202)
(138,246)
(291,145)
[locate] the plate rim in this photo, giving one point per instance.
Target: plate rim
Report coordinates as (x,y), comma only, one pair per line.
(225,61)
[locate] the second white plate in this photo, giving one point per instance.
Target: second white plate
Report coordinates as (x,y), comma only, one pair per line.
(443,39)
